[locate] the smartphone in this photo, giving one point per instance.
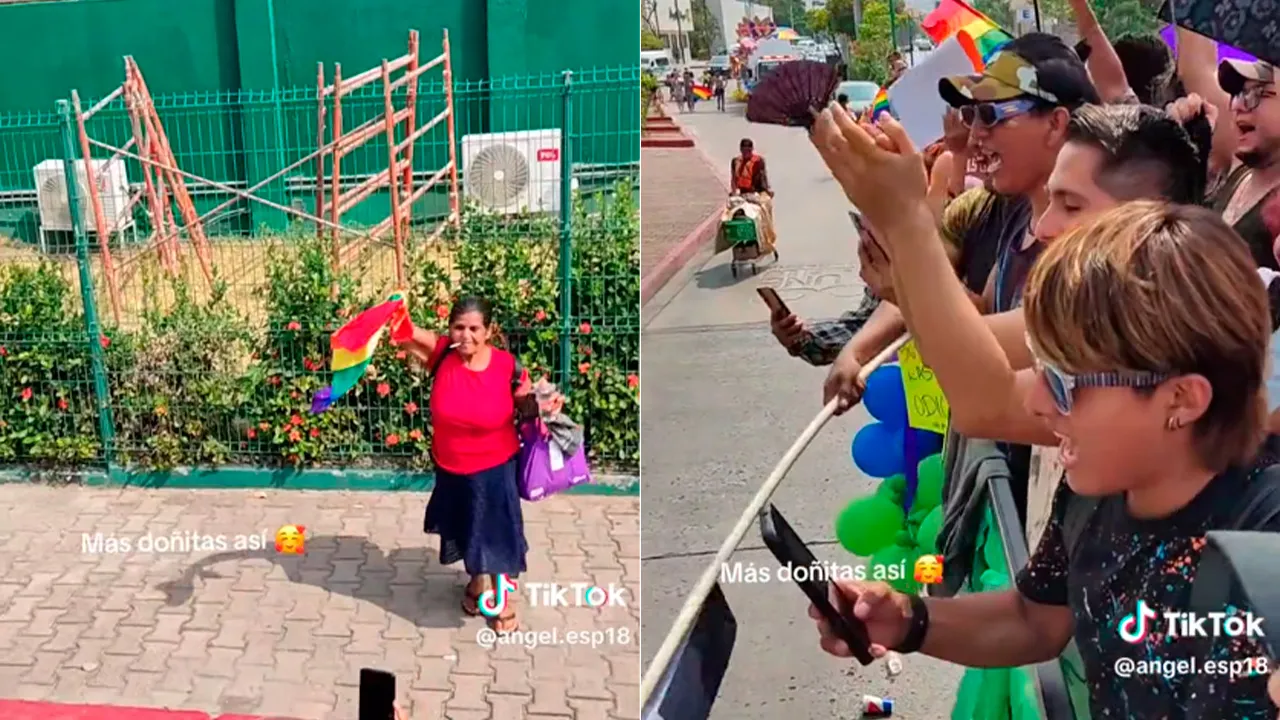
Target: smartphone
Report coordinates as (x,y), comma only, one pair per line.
(791,551)
(770,297)
(377,695)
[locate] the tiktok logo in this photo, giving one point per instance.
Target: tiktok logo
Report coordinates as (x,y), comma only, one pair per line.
(1133,628)
(494,600)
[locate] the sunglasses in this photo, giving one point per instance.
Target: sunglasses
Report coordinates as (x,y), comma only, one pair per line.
(1062,385)
(1251,97)
(990,114)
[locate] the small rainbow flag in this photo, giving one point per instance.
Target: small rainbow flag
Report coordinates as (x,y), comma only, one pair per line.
(702,91)
(976,33)
(880,103)
(354,343)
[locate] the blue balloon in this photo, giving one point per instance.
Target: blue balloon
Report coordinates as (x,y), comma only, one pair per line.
(884,396)
(877,450)
(927,442)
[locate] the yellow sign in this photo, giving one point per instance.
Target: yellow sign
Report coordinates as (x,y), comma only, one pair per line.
(927,407)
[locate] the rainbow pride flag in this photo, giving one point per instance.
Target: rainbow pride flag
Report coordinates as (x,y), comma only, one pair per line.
(354,343)
(976,33)
(880,103)
(702,91)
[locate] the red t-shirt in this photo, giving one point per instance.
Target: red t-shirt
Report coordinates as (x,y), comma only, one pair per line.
(473,412)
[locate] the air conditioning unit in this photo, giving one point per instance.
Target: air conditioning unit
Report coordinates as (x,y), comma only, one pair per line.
(513,172)
(51,196)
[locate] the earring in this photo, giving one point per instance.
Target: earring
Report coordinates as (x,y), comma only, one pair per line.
(1174,423)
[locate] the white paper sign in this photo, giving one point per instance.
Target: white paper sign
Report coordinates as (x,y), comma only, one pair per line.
(915,99)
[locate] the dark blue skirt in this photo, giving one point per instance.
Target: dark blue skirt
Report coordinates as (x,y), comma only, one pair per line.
(478,519)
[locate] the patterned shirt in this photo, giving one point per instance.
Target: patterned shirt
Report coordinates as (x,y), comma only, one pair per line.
(827,338)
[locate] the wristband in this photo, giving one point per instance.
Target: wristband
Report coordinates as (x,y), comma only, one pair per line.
(914,639)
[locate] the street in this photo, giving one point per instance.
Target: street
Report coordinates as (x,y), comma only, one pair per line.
(724,402)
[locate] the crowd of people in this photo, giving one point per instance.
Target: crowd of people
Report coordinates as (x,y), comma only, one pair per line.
(1088,261)
(682,88)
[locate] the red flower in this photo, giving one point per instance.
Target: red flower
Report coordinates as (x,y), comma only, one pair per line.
(26,393)
(104,341)
(274,380)
(585,328)
(62,403)
(293,325)
(540,316)
(393,440)
(315,432)
(633,381)
(295,436)
(293,394)
(3,351)
(415,435)
(384,389)
(264,426)
(411,407)
(584,368)
(251,433)
(585,350)
(296,420)
(400,354)
(306,363)
(442,311)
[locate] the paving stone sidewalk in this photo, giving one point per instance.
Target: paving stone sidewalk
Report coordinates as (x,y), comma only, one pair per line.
(254,631)
(678,190)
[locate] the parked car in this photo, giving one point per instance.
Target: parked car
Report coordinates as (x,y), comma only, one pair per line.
(861,93)
(719,65)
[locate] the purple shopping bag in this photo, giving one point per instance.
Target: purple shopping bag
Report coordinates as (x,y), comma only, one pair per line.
(544,468)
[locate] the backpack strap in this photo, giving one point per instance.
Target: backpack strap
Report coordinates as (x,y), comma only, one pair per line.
(435,367)
(1075,519)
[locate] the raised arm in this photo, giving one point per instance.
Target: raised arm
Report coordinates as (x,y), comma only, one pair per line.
(1198,70)
(1103,63)
(422,345)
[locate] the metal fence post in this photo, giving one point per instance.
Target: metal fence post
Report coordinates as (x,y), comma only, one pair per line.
(566,234)
(93,329)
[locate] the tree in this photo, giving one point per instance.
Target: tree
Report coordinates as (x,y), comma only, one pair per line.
(998,10)
(1117,17)
(650,41)
(818,21)
(789,12)
(702,38)
(872,48)
(842,18)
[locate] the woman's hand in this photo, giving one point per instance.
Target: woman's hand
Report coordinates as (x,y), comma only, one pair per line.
(876,271)
(879,169)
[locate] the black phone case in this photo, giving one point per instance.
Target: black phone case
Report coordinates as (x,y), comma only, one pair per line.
(776,531)
(766,294)
(377,694)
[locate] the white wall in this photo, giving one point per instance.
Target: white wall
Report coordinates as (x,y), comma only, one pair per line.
(667,27)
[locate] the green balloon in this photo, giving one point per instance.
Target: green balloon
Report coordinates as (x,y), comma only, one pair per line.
(868,524)
(927,534)
(895,565)
(917,515)
(929,486)
(893,488)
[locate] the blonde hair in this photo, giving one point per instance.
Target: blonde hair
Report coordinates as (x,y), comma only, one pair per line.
(1161,288)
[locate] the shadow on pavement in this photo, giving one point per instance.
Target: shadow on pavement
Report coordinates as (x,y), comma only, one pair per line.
(409,582)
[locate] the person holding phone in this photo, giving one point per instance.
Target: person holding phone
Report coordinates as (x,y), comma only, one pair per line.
(1159,416)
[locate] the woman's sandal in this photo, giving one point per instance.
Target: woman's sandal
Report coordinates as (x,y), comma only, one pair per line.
(505,623)
(471,598)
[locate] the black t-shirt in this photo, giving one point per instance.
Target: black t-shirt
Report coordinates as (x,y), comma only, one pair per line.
(1251,226)
(1119,560)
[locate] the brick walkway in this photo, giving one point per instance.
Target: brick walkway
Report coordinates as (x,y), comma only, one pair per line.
(678,190)
(260,633)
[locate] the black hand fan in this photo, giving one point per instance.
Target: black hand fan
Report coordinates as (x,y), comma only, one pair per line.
(792,92)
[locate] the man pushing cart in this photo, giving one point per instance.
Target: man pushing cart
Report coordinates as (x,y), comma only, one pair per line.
(746,226)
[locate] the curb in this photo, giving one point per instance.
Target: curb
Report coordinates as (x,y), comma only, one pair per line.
(678,256)
(31,710)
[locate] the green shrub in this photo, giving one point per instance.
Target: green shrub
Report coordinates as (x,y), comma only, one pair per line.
(199,385)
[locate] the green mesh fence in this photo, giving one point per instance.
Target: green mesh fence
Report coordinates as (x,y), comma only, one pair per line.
(210,351)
